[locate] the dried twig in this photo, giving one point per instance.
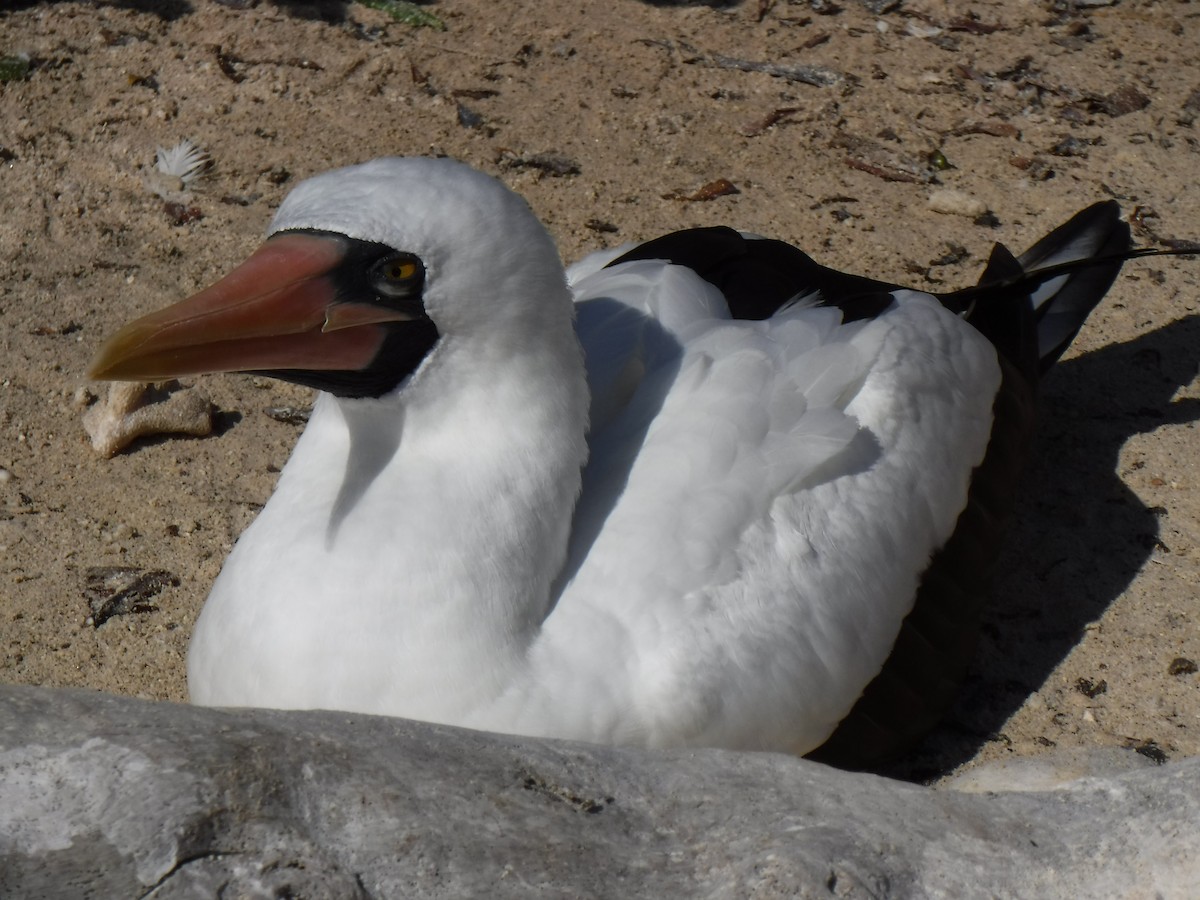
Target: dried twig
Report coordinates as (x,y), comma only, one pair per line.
(719,188)
(758,126)
(818,76)
(870,156)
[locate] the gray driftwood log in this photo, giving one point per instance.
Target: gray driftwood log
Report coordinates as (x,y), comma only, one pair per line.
(103,796)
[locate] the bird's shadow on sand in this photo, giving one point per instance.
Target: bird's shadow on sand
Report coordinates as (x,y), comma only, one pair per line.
(1078,537)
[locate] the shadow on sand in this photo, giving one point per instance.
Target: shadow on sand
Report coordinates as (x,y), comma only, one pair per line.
(1078,537)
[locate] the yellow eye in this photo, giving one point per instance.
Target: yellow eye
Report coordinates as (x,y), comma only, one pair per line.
(400,275)
(399,270)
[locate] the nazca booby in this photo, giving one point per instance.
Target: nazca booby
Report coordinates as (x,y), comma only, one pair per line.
(698,492)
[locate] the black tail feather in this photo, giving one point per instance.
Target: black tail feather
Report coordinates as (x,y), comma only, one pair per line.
(1062,278)
(1009,322)
(1098,238)
(1029,306)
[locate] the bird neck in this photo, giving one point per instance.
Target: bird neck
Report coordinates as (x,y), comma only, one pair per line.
(443,513)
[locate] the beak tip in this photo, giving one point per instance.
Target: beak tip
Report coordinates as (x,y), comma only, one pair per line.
(96,370)
(104,363)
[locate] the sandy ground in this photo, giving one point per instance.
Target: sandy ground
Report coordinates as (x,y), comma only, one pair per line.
(1093,637)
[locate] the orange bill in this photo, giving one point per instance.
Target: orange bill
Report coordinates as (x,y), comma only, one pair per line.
(278,310)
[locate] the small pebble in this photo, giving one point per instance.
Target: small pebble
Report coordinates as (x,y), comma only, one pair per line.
(1181,665)
(82,399)
(957,203)
(118,534)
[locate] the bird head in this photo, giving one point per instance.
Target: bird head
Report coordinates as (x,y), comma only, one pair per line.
(364,272)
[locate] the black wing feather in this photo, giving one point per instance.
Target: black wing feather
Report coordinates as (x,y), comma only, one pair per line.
(758,276)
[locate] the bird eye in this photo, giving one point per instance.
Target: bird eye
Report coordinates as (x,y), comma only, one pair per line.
(399,270)
(397,276)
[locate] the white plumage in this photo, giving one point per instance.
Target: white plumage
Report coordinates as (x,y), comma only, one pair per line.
(723,557)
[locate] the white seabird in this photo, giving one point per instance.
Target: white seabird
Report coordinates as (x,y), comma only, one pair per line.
(700,492)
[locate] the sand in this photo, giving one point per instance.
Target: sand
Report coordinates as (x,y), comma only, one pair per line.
(606,115)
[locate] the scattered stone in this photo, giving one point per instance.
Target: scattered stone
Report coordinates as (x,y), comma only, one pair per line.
(922,30)
(1120,102)
(601,226)
(289,415)
(82,398)
(1077,35)
(1075,146)
(956,203)
(955,254)
(1190,109)
(1152,752)
(1033,166)
(1181,665)
(468,118)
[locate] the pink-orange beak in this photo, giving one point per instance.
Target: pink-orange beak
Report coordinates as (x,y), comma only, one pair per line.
(278,310)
